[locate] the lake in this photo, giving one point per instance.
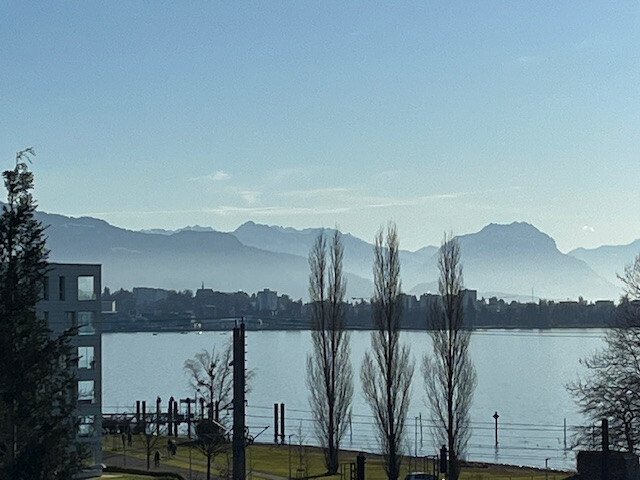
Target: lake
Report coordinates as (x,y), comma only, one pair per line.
(521,375)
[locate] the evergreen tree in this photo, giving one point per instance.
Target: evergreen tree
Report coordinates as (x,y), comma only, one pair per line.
(37,379)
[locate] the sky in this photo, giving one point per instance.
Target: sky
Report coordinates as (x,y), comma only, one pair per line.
(439,116)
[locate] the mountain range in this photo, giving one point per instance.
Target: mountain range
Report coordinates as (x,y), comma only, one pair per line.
(510,261)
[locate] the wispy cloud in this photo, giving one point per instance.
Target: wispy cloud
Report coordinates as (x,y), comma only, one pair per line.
(249,196)
(281,174)
(313,192)
(272,211)
(588,228)
(217,176)
(529,60)
(591,43)
(387,202)
(144,212)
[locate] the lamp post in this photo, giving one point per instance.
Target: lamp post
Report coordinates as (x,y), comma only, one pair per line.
(546,468)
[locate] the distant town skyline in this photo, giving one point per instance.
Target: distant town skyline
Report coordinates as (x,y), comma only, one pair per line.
(437,116)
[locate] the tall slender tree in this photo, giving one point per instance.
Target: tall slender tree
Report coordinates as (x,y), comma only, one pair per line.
(329,372)
(38,388)
(449,374)
(387,371)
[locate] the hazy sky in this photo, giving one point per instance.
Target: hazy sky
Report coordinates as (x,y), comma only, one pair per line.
(438,115)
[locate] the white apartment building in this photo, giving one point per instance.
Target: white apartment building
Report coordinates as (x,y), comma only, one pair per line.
(71,297)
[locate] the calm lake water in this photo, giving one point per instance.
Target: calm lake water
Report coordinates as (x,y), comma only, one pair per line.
(521,375)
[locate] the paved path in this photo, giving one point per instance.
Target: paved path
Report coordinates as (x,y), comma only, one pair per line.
(118,460)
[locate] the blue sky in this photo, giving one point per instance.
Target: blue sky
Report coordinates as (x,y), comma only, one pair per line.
(437,115)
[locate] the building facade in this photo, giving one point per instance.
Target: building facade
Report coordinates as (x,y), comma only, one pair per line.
(71,298)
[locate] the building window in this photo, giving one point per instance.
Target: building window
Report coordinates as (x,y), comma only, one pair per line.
(86,323)
(86,287)
(61,287)
(86,358)
(86,392)
(70,318)
(45,289)
(86,426)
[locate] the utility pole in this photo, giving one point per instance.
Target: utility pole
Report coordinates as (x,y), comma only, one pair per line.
(239,442)
(275,423)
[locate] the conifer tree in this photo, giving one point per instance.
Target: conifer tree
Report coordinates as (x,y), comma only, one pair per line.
(37,381)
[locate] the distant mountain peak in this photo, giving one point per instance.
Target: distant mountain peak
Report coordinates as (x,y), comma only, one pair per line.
(188,228)
(520,236)
(513,226)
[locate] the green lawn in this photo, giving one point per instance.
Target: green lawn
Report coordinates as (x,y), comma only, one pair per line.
(264,461)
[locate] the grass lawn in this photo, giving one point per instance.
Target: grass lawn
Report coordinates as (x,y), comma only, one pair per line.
(273,462)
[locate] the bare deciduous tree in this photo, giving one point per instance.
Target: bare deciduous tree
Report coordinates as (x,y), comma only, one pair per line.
(329,372)
(611,388)
(211,375)
(449,375)
(387,371)
(631,279)
(212,439)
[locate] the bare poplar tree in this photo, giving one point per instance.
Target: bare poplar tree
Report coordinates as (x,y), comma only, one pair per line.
(387,370)
(449,375)
(329,373)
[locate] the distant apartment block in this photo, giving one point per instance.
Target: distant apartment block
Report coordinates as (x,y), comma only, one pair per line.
(145,296)
(267,300)
(71,297)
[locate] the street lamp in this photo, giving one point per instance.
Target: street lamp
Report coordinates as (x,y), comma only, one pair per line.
(546,468)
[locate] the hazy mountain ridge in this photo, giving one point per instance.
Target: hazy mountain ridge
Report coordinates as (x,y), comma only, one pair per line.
(514,259)
(608,260)
(520,259)
(358,254)
(188,228)
(178,261)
